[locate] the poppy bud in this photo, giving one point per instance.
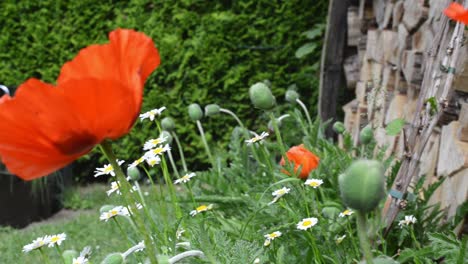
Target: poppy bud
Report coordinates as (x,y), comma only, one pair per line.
(195,112)
(168,124)
(362,186)
(291,96)
(133,173)
(339,127)
(106,208)
(166,135)
(261,96)
(366,135)
(114,258)
(69,255)
(212,109)
(163,259)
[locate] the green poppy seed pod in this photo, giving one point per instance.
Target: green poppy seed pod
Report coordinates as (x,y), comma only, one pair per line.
(166,135)
(163,259)
(168,124)
(114,258)
(133,173)
(339,127)
(195,112)
(106,208)
(261,96)
(382,260)
(366,135)
(212,109)
(69,255)
(291,96)
(330,212)
(362,186)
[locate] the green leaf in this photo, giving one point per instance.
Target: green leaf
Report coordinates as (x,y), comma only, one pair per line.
(395,127)
(306,49)
(313,33)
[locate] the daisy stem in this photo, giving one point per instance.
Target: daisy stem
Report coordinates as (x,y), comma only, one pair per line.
(106,148)
(205,143)
(251,217)
(124,234)
(44,256)
(181,152)
(266,157)
(365,246)
(174,167)
(169,184)
(418,246)
(306,112)
(277,133)
(59,251)
(318,256)
(352,238)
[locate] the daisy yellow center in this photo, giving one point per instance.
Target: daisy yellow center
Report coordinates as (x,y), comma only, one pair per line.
(153,162)
(307,223)
(157,150)
(41,242)
(202,208)
(155,141)
(347,212)
(186,178)
(108,169)
(256,138)
(113,212)
(54,239)
(281,192)
(273,235)
(314,184)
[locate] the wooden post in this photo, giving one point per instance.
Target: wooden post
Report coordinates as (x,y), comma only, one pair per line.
(331,73)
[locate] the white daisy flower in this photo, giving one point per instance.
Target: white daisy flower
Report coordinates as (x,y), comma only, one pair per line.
(340,239)
(118,210)
(138,206)
(409,219)
(256,261)
(152,143)
(154,160)
(152,113)
(140,246)
(107,169)
(307,223)
(278,194)
(314,183)
(80,260)
(201,208)
(270,237)
(179,233)
(185,178)
(346,212)
(257,138)
(114,188)
(37,243)
(146,193)
(157,151)
(137,162)
(57,239)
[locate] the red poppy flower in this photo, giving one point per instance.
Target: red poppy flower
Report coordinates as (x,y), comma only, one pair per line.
(300,156)
(98,96)
(457,12)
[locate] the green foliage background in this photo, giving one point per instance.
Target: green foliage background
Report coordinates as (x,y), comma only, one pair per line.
(211,52)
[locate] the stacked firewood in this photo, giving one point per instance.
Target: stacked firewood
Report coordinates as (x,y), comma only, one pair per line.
(406,59)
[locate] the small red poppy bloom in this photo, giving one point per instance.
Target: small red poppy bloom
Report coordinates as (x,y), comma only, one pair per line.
(98,96)
(300,156)
(457,12)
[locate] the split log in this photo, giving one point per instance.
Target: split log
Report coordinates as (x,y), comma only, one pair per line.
(386,44)
(428,160)
(396,108)
(351,70)
(460,82)
(354,26)
(412,66)
(423,39)
(453,154)
(350,111)
(454,191)
(379,7)
(373,47)
(415,14)
(463,120)
(388,78)
(387,16)
(397,13)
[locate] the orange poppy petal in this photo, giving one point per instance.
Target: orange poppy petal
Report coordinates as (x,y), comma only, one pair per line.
(457,12)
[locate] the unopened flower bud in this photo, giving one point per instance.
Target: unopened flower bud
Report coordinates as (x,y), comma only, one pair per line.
(362,186)
(69,255)
(366,135)
(261,96)
(212,109)
(339,127)
(167,135)
(106,208)
(133,173)
(195,112)
(168,124)
(291,96)
(114,258)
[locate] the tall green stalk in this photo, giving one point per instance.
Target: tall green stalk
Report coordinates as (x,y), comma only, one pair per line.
(364,241)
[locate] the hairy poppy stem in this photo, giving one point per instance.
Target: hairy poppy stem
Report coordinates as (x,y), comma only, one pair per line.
(277,133)
(365,246)
(306,112)
(125,187)
(181,152)
(205,143)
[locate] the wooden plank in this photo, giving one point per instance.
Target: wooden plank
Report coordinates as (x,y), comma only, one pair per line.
(387,16)
(462,133)
(428,160)
(331,70)
(397,13)
(411,63)
(453,154)
(351,70)
(460,82)
(415,14)
(373,47)
(354,26)
(454,191)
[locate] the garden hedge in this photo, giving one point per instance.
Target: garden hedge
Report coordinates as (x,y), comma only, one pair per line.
(211,52)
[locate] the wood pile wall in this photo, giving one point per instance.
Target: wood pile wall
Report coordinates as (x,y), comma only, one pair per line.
(406,59)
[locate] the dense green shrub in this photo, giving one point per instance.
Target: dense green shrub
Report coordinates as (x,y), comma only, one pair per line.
(211,52)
